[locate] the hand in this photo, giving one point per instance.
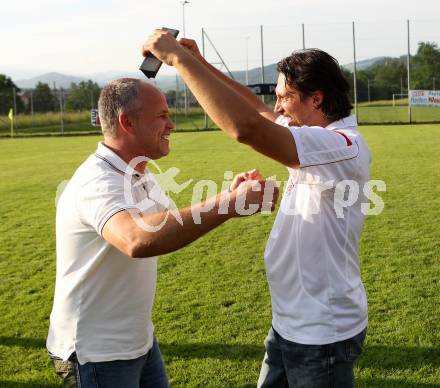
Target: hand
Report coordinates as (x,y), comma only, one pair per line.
(163,46)
(191,46)
(244,176)
(253,196)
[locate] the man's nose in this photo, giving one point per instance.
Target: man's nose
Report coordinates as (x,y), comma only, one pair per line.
(278,108)
(170,124)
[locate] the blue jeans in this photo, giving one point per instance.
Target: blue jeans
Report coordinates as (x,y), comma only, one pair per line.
(288,364)
(147,371)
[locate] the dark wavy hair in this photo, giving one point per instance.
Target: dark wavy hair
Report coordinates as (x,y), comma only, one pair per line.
(310,70)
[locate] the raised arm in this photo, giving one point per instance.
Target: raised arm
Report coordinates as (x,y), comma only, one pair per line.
(227,108)
(239,88)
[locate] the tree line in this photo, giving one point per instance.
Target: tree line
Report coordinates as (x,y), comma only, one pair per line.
(78,97)
(389,76)
(380,81)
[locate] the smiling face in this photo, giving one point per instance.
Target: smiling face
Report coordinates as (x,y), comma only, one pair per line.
(299,111)
(151,123)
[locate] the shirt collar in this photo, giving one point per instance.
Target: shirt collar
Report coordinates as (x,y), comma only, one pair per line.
(346,122)
(113,160)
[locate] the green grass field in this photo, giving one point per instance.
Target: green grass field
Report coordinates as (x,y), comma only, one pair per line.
(79,122)
(43,124)
(368,114)
(212,309)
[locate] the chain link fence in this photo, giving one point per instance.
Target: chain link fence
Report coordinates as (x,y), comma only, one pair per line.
(376,65)
(374,56)
(41,114)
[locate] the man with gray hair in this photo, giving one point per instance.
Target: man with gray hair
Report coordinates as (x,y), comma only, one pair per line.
(113,220)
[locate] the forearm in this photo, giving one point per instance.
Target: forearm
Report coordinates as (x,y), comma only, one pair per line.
(197,220)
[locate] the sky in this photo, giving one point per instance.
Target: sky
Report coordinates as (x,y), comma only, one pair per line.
(87,37)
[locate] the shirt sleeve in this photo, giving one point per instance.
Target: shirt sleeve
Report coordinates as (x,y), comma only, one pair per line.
(329,154)
(101,198)
(317,146)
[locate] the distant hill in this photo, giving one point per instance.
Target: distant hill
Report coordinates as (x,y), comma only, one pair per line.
(168,82)
(62,80)
(270,74)
(164,82)
(367,63)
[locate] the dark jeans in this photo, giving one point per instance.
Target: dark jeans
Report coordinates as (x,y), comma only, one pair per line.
(147,371)
(288,364)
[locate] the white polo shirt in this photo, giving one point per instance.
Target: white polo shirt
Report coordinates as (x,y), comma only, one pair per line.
(103,298)
(311,258)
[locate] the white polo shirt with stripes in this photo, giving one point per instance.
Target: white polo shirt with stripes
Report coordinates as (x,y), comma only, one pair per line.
(311,258)
(103,298)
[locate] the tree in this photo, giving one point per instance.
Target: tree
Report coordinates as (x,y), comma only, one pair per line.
(349,77)
(389,78)
(83,96)
(7,95)
(425,66)
(44,100)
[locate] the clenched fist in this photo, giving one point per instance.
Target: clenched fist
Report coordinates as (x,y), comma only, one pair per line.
(252,196)
(164,47)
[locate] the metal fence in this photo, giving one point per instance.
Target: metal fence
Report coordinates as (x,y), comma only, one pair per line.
(356,46)
(249,54)
(46,115)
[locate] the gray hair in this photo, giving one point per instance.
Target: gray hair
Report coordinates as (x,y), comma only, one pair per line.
(116,97)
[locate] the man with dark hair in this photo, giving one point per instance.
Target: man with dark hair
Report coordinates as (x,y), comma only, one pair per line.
(113,220)
(310,70)
(319,305)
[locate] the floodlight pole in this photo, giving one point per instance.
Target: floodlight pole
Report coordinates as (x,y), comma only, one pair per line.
(203,53)
(262,54)
(354,72)
(61,111)
(247,60)
(369,96)
(184,2)
(32,108)
(14,95)
(14,113)
(303,36)
(408,62)
(262,58)
(54,96)
(32,103)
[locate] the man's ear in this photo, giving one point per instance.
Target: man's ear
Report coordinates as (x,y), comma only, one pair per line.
(126,123)
(317,98)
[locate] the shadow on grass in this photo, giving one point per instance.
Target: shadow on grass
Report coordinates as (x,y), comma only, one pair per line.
(384,357)
(12,384)
(218,351)
(23,342)
(378,383)
(379,357)
(391,383)
(374,356)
